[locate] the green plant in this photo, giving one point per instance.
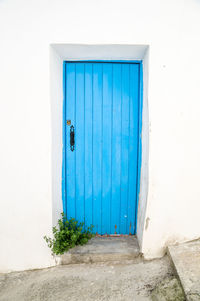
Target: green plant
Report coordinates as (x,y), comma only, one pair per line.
(67,235)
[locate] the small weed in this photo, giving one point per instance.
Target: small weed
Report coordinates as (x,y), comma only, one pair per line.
(67,235)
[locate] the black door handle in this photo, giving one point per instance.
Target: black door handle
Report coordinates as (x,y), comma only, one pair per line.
(72,138)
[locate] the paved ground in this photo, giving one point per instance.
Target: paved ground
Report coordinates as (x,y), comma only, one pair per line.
(127,280)
(186,259)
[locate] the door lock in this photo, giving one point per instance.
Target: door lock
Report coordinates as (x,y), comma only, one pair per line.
(72,138)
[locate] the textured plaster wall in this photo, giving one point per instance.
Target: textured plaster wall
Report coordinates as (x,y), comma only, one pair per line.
(27,182)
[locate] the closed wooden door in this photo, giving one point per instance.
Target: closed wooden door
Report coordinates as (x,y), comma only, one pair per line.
(101,164)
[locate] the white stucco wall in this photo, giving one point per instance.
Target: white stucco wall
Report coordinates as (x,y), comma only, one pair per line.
(27,175)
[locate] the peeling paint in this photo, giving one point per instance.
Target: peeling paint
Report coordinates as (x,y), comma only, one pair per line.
(147,223)
(115,229)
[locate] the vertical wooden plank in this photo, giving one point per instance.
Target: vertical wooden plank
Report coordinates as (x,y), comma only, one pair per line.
(70,156)
(88,144)
(79,142)
(64,170)
(97,145)
(116,150)
(125,149)
(139,159)
(133,146)
(106,147)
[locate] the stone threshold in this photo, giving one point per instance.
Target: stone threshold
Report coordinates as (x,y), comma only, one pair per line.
(103,249)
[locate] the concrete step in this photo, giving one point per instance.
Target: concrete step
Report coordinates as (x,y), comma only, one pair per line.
(103,249)
(186,260)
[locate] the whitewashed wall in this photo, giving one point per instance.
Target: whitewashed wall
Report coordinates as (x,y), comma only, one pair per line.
(27,28)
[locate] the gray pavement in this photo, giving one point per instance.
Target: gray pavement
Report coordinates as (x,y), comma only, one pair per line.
(115,281)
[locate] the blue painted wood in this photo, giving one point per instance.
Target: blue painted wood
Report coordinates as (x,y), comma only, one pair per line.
(64,192)
(139,140)
(125,147)
(109,62)
(116,149)
(102,102)
(133,147)
(97,146)
(106,147)
(80,142)
(70,156)
(88,145)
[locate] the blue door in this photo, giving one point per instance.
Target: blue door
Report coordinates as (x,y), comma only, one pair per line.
(101,151)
